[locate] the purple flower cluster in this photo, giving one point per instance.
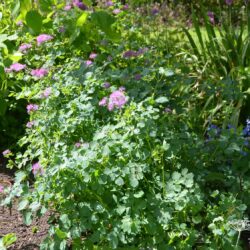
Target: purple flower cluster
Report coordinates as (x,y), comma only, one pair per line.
(24,47)
(109,3)
(37,168)
(246,130)
(106,85)
(154,11)
(137,77)
(125,7)
(133,53)
(1,189)
(211,17)
(15,67)
(117,99)
(79,4)
(19,23)
(39,73)
(229,2)
(43,38)
(32,107)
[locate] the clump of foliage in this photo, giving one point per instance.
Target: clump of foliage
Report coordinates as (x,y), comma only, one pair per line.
(119,145)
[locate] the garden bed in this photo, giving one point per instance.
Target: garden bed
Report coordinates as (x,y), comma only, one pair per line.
(11,221)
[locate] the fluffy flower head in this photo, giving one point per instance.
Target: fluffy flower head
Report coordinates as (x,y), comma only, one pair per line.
(39,73)
(103,102)
(15,67)
(30,124)
(24,47)
(31,108)
(46,93)
(43,38)
(6,152)
(37,168)
(116,100)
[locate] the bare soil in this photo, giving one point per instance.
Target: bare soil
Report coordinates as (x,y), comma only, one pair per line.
(11,221)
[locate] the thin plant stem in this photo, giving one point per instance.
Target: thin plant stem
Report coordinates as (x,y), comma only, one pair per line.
(238,238)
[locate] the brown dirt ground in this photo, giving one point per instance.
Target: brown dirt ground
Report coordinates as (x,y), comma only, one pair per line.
(11,221)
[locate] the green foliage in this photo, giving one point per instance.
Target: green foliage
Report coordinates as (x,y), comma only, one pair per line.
(34,21)
(7,240)
(151,173)
(223,52)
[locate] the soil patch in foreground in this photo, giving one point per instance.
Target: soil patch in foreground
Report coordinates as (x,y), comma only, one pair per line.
(28,237)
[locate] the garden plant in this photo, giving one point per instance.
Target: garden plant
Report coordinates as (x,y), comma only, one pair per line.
(130,128)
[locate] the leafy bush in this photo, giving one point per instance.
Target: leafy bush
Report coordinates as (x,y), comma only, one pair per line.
(116,147)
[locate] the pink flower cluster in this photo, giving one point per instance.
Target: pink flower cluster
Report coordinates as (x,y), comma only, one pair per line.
(30,124)
(6,152)
(92,55)
(24,47)
(88,63)
(37,169)
(117,99)
(116,11)
(67,7)
(19,23)
(1,188)
(15,67)
(39,73)
(78,144)
(109,3)
(32,107)
(46,93)
(43,38)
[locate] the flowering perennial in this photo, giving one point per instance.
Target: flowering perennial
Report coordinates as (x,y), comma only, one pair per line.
(116,11)
(43,38)
(32,107)
(79,4)
(6,152)
(67,7)
(92,55)
(39,73)
(211,17)
(46,93)
(229,2)
(106,85)
(116,100)
(246,130)
(15,67)
(103,102)
(37,168)
(30,124)
(24,47)
(88,62)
